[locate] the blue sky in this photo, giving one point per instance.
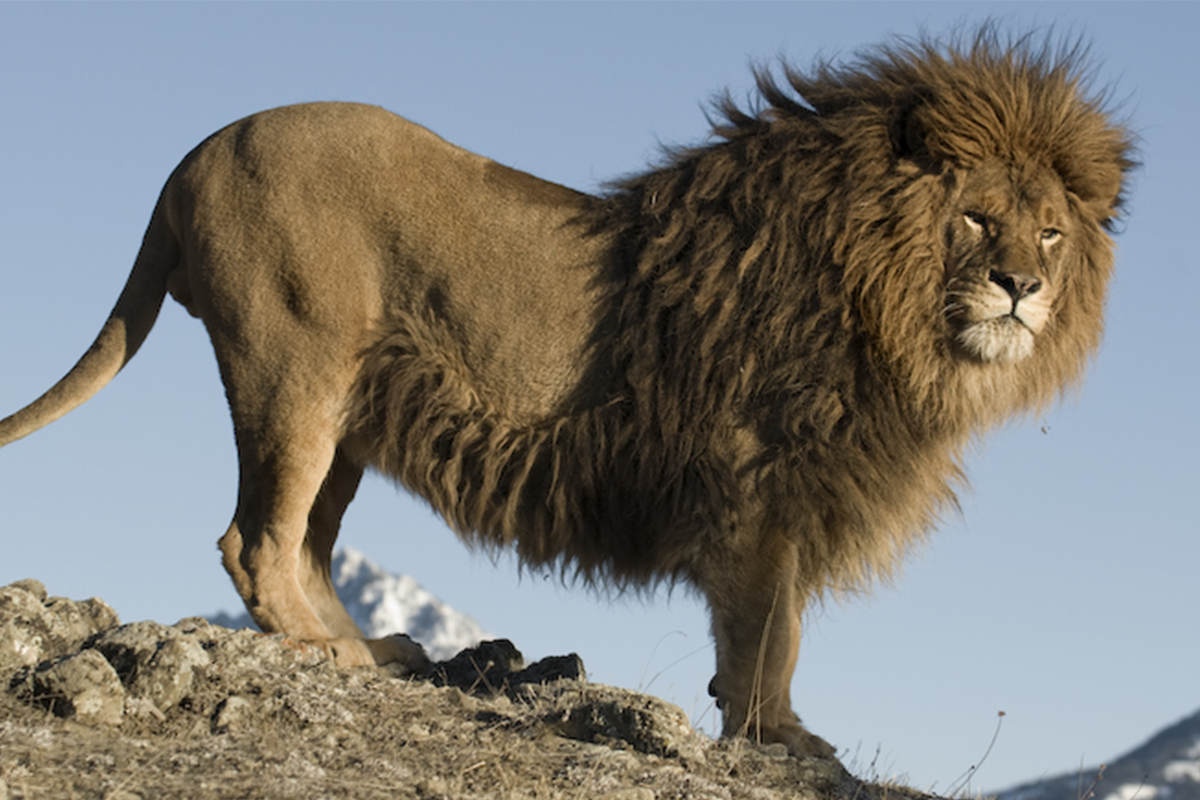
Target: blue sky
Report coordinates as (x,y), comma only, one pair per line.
(1063,595)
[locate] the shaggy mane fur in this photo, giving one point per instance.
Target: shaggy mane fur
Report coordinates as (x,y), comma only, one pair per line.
(774,329)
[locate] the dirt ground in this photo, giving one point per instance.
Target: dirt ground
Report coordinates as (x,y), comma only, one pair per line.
(198,711)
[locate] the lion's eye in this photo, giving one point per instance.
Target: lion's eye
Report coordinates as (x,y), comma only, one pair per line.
(975,221)
(1050,236)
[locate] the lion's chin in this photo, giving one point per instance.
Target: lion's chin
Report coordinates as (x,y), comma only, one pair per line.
(1000,340)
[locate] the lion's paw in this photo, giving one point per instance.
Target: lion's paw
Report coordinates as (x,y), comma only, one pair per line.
(399,651)
(798,741)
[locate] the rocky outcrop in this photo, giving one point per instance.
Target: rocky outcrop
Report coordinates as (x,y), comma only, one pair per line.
(93,708)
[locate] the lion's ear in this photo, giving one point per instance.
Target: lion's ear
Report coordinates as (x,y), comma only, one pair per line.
(909,131)
(1096,174)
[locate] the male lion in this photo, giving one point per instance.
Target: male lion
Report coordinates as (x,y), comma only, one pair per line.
(753,368)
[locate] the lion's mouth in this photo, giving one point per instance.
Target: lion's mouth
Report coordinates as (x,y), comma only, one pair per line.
(1004,339)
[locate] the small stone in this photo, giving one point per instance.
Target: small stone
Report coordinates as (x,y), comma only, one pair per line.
(167,675)
(603,714)
(33,586)
(141,707)
(487,666)
(552,668)
(70,626)
(155,662)
(232,714)
(34,628)
(22,629)
(84,687)
(101,615)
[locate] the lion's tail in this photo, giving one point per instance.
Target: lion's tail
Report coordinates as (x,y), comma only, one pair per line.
(123,333)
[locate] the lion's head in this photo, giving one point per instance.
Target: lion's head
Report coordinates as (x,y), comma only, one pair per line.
(1008,241)
(971,190)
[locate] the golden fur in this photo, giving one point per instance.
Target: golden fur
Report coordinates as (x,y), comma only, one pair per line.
(753,368)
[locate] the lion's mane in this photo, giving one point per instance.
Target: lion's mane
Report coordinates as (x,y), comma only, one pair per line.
(787,279)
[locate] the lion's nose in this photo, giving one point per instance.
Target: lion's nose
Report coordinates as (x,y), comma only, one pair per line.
(1016,284)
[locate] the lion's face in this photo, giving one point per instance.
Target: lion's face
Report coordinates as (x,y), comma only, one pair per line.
(1008,233)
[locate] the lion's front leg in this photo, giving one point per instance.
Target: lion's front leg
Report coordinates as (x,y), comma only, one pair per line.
(756,610)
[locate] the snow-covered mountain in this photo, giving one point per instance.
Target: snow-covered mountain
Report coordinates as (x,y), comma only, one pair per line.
(1167,767)
(382,603)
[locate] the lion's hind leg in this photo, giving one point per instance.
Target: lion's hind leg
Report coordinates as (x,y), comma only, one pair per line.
(294,488)
(265,549)
(324,521)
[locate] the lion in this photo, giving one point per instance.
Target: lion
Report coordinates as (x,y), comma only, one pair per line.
(752,368)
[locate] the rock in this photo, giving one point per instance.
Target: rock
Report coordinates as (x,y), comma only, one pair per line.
(34,628)
(486,666)
(143,670)
(607,715)
(33,586)
(550,669)
(100,614)
(83,686)
(232,714)
(498,666)
(22,629)
(154,661)
(142,707)
(71,626)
